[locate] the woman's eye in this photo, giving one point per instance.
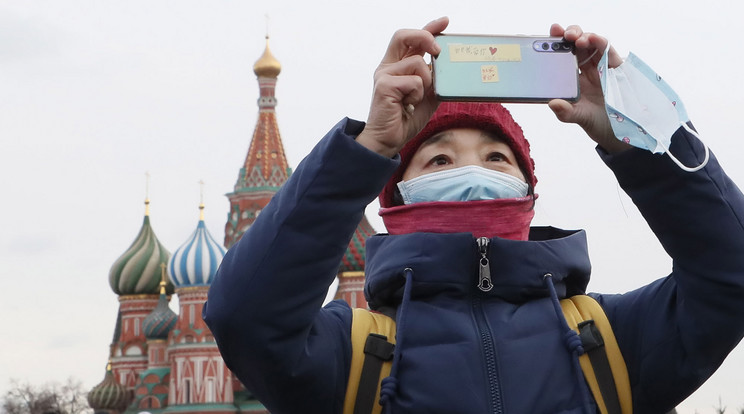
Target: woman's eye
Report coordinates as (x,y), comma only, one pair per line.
(439,160)
(496,156)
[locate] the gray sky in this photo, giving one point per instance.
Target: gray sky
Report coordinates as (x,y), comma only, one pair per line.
(95,93)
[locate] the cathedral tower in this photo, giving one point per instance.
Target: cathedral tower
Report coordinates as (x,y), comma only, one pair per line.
(151,391)
(135,277)
(198,375)
(265,168)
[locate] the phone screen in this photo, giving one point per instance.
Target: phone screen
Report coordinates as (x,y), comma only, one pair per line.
(505,69)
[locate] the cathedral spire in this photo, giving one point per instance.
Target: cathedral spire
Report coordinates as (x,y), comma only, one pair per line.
(265,168)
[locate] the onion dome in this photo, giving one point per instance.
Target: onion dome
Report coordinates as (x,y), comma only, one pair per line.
(196,261)
(267,66)
(162,319)
(109,394)
(353,260)
(137,271)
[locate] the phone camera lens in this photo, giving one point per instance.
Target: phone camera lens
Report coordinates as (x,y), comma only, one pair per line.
(545,45)
(557,45)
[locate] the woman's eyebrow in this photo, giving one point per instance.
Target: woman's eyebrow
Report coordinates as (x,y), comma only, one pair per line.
(445,136)
(493,137)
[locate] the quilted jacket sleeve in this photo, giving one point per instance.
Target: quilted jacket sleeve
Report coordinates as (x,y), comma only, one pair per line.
(264,306)
(675,332)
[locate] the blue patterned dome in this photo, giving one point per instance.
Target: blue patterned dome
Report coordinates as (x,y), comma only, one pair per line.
(161,320)
(196,261)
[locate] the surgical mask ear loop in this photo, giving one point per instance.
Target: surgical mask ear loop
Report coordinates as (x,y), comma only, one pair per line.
(684,167)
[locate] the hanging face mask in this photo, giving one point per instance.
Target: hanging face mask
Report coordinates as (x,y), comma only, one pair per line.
(644,111)
(462,184)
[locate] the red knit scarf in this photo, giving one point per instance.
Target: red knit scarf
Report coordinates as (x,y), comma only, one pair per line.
(504,218)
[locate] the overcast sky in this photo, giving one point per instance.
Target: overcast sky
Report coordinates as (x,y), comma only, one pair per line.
(94,94)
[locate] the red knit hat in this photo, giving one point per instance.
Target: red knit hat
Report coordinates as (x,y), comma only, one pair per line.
(491,117)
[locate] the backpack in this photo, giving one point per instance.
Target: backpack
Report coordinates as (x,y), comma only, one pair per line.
(373,343)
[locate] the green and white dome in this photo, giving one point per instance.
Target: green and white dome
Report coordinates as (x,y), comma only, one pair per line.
(137,271)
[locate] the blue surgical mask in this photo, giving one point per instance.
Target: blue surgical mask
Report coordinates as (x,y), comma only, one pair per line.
(644,111)
(462,184)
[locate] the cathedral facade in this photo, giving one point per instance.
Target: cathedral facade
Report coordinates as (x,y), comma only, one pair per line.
(163,362)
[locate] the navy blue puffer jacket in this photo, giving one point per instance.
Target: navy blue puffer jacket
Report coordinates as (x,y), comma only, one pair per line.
(462,350)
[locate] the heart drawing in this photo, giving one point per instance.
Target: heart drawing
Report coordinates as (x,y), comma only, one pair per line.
(493,50)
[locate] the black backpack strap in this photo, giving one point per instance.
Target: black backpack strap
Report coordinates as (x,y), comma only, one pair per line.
(591,340)
(377,350)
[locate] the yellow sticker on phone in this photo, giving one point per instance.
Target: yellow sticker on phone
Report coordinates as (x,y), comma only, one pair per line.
(460,52)
(489,73)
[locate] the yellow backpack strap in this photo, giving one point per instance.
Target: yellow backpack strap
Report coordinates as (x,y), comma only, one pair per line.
(372,344)
(603,364)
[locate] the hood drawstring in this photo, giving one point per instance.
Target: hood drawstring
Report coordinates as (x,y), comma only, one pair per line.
(389,386)
(571,340)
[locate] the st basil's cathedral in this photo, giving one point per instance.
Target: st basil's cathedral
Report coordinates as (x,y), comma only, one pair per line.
(163,362)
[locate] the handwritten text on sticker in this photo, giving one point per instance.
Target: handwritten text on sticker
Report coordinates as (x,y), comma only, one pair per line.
(489,73)
(460,52)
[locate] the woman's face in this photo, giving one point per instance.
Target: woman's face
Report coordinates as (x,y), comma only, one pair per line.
(459,147)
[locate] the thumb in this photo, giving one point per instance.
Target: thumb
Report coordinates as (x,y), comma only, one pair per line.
(563,110)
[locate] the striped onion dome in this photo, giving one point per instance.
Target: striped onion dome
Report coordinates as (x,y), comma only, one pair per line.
(196,261)
(162,319)
(353,260)
(137,271)
(109,394)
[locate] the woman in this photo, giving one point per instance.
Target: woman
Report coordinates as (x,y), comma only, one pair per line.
(474,338)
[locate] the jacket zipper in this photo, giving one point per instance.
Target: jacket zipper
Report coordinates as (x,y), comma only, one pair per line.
(484,270)
(489,349)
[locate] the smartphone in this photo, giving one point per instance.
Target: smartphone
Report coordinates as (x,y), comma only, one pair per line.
(505,68)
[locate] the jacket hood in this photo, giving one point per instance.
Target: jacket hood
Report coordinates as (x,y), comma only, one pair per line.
(448,264)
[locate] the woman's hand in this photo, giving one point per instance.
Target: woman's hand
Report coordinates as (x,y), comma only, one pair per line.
(403,99)
(589,111)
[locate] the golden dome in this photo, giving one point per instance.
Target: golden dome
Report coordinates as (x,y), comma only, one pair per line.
(267,66)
